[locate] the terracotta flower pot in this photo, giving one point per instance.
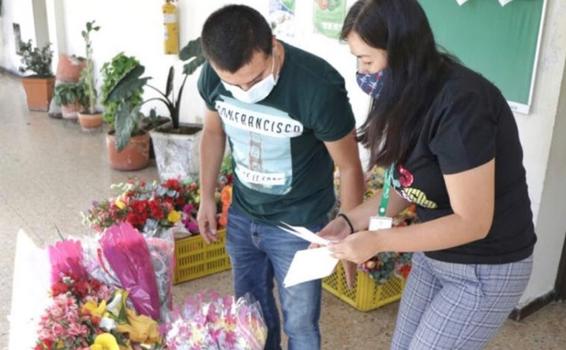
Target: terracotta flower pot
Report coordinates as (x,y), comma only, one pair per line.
(39,92)
(70,111)
(90,121)
(134,156)
(69,68)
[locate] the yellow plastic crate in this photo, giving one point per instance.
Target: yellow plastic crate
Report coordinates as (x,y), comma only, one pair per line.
(366,294)
(194,258)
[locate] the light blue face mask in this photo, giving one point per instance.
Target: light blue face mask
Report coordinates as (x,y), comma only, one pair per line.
(371,83)
(258,91)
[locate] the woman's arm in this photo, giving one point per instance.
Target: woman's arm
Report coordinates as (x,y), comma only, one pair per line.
(360,215)
(472,197)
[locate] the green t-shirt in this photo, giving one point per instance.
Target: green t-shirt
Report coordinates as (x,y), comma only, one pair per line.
(283,171)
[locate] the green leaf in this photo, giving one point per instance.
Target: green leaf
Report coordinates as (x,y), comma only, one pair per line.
(192,66)
(127,85)
(170,78)
(192,49)
(126,121)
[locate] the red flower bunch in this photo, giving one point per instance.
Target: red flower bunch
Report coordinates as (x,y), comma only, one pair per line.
(80,288)
(147,206)
(64,325)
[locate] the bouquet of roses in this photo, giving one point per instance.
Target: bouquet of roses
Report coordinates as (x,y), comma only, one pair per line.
(151,207)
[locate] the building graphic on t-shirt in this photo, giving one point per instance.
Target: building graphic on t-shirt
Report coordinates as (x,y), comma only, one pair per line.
(260,138)
(255,152)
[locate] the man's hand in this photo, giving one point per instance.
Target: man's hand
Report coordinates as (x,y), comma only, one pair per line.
(206,218)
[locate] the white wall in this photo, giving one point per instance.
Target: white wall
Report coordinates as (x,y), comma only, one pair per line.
(536,131)
(137,30)
(142,37)
(551,225)
(40,22)
(19,11)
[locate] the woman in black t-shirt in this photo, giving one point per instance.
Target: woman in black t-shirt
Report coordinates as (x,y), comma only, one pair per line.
(451,145)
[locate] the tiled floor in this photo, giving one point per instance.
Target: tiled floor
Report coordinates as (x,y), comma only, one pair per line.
(50,170)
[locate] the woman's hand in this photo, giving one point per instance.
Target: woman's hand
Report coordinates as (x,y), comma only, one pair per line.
(335,231)
(358,247)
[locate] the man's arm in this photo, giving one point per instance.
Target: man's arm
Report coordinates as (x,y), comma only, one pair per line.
(212,145)
(345,154)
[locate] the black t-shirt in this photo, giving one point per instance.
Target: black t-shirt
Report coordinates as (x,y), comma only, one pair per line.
(468,124)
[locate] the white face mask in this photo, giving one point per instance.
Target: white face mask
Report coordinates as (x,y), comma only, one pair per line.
(258,91)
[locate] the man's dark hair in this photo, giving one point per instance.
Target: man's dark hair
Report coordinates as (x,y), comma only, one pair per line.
(232,34)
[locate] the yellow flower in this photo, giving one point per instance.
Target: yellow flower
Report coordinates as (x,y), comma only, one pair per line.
(105,341)
(174,216)
(119,203)
(140,328)
(95,310)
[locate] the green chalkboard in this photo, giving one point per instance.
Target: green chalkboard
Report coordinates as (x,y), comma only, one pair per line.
(498,42)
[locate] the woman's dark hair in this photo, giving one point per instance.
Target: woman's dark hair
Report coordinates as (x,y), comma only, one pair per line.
(232,34)
(411,78)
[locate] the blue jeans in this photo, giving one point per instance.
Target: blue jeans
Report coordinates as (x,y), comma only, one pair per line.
(259,252)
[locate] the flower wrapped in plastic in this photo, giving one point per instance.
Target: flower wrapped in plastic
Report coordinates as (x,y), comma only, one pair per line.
(162,252)
(96,264)
(251,328)
(129,257)
(211,321)
(66,258)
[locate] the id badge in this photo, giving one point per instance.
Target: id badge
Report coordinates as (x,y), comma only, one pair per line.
(380,223)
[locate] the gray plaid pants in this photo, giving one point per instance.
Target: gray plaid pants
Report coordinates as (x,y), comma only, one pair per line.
(457,306)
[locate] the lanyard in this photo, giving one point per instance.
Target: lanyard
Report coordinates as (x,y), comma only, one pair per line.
(386,189)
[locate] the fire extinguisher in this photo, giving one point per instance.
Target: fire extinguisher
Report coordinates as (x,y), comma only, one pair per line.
(171,40)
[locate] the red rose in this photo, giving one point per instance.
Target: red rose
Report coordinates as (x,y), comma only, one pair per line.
(81,288)
(59,288)
(173,184)
(180,202)
(136,220)
(156,211)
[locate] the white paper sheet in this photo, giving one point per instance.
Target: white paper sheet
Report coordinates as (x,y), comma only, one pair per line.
(305,234)
(308,265)
(504,2)
(30,292)
(461,2)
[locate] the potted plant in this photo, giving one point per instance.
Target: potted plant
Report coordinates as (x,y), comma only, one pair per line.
(127,141)
(69,68)
(39,86)
(89,118)
(175,144)
(71,98)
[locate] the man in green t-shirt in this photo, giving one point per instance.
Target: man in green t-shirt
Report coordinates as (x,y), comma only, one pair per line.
(288,122)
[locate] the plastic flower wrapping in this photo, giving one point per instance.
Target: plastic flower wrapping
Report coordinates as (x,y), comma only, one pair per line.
(100,304)
(211,321)
(114,292)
